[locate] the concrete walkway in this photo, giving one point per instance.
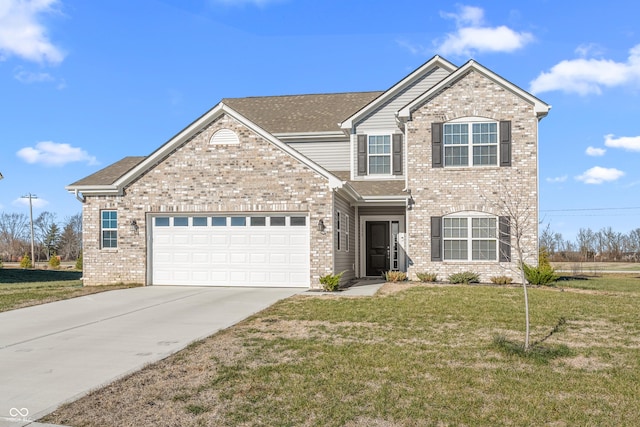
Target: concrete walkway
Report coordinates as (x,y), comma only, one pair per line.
(55,353)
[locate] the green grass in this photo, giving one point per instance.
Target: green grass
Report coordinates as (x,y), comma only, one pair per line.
(22,288)
(429,355)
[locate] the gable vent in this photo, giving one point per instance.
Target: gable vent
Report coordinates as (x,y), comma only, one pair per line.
(224,137)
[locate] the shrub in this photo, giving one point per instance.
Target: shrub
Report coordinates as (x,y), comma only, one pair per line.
(427,277)
(79,262)
(331,282)
(540,276)
(25,262)
(501,280)
(395,276)
(465,277)
(54,262)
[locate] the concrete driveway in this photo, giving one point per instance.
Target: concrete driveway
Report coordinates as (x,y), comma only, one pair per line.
(54,353)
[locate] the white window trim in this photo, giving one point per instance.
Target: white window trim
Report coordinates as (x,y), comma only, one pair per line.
(369,155)
(470,216)
(470,121)
(103,229)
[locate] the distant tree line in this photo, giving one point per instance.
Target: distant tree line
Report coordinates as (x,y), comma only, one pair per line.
(604,245)
(63,239)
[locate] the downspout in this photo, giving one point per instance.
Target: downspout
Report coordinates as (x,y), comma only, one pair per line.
(79,196)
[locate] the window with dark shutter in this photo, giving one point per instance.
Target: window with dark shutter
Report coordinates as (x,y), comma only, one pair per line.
(505,143)
(505,238)
(362,154)
(397,154)
(436,145)
(436,238)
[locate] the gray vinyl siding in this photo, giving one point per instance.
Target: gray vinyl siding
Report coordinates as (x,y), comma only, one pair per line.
(383,119)
(332,155)
(345,260)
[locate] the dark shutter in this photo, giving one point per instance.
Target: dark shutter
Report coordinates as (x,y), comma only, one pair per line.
(505,239)
(436,145)
(397,154)
(505,143)
(436,238)
(362,154)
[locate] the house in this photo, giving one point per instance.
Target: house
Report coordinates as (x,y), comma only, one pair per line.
(281,190)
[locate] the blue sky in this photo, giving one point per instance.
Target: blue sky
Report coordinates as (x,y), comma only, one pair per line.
(83,84)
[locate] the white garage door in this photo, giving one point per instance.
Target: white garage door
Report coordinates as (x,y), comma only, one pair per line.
(238,250)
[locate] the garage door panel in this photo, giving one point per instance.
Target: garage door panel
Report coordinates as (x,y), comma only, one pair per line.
(254,254)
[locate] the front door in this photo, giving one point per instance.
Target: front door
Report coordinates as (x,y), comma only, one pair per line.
(377,247)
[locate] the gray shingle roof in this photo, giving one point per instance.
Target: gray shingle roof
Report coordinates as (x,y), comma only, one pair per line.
(301,113)
(373,188)
(111,173)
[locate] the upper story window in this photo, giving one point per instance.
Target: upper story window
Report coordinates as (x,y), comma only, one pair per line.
(109,229)
(380,154)
(469,142)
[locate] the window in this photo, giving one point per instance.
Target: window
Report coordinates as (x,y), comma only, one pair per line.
(181,221)
(481,149)
(476,233)
(162,221)
(338,232)
(298,221)
(219,221)
(346,233)
(238,221)
(277,221)
(379,154)
(109,229)
(199,221)
(258,221)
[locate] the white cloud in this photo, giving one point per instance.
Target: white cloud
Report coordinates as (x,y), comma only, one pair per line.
(28,77)
(472,36)
(54,154)
(598,175)
(24,202)
(589,75)
(23,35)
(595,152)
(562,178)
(629,143)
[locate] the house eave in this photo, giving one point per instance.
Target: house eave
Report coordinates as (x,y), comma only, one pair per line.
(311,136)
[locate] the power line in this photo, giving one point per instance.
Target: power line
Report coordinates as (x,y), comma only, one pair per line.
(589,209)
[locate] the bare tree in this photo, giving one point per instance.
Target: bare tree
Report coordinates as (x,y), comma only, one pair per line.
(522,223)
(14,232)
(46,231)
(70,245)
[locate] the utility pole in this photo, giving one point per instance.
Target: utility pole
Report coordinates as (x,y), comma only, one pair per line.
(30,197)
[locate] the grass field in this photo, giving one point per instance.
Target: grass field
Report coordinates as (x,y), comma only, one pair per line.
(414,355)
(23,288)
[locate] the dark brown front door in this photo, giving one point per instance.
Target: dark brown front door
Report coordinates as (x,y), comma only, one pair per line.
(377,247)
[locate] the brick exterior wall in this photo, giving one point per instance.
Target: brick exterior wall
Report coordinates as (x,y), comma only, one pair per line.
(443,191)
(253,176)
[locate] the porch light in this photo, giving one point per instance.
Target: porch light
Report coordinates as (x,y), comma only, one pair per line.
(321,226)
(134,226)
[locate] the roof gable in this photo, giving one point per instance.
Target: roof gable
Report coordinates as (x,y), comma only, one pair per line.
(541,108)
(114,178)
(427,67)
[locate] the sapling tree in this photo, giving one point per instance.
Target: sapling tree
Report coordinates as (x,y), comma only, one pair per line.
(519,228)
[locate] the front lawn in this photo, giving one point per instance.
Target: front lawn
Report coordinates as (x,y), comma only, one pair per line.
(426,355)
(22,288)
